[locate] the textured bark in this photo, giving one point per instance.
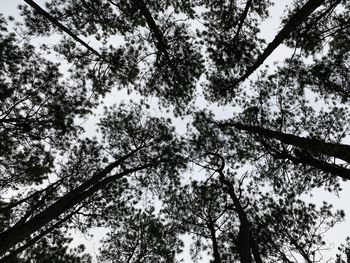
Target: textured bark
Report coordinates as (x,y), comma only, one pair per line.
(298,18)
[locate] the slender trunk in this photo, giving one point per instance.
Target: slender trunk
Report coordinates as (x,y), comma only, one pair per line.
(341,151)
(17,234)
(246,242)
(55,22)
(31,242)
(298,18)
(241,20)
(159,37)
(216,253)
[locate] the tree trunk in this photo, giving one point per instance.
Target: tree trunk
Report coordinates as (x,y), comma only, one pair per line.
(256,252)
(14,235)
(216,253)
(55,22)
(241,20)
(341,151)
(244,240)
(13,254)
(292,24)
(159,37)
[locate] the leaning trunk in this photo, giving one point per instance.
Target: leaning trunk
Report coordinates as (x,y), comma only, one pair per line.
(313,146)
(17,234)
(298,18)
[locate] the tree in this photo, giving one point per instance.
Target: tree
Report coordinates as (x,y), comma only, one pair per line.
(131,141)
(51,248)
(141,238)
(235,184)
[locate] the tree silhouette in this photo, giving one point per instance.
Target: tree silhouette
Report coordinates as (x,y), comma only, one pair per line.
(234,184)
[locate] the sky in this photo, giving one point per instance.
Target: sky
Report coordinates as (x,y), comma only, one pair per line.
(336,235)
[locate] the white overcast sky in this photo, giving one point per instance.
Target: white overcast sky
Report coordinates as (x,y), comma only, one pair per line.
(338,234)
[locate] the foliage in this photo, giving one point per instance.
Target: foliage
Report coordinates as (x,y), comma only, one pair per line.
(235,184)
(140,238)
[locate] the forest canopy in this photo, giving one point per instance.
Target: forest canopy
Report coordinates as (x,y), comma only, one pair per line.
(166,124)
